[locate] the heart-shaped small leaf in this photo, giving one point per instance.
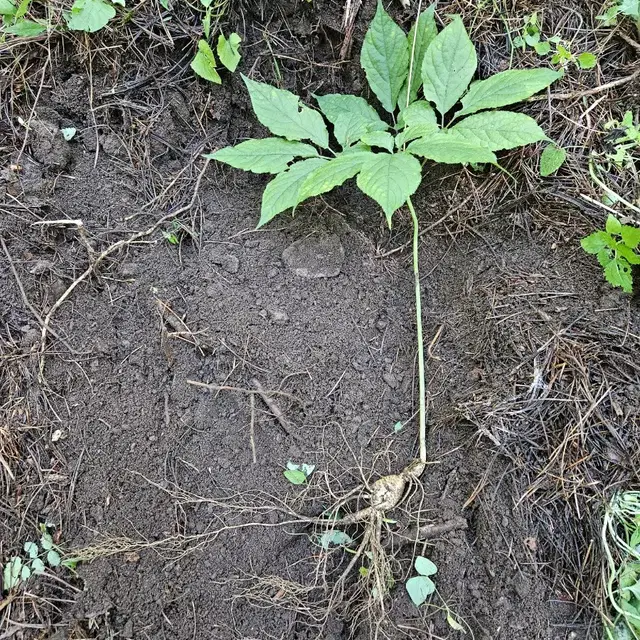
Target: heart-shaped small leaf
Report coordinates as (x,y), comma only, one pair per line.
(419,589)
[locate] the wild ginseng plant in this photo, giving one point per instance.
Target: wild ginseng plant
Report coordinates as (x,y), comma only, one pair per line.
(452,122)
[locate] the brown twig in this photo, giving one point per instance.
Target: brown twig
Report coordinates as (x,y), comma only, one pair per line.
(430,531)
(273,407)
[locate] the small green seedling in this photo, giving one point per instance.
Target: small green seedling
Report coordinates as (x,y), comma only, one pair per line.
(625,8)
(531,36)
(298,473)
(624,136)
(420,587)
(616,248)
(204,64)
(19,569)
(172,234)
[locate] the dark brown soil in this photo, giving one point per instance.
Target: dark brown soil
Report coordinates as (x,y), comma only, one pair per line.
(145,456)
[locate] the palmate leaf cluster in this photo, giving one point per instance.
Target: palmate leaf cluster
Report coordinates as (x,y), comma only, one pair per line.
(419,79)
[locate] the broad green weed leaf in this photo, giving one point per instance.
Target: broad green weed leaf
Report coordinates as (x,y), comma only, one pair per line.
(229,51)
(283,192)
(422,33)
(415,131)
(448,66)
(618,274)
(281,112)
(7,8)
(204,64)
(349,128)
(266,155)
(334,537)
(385,58)
(499,130)
(25,572)
(613,225)
(22,9)
(507,87)
(630,236)
(31,549)
(447,148)
(295,477)
(381,139)
(390,178)
(332,174)
(551,160)
(27,28)
(419,589)
(604,257)
(424,566)
(90,15)
(586,60)
(595,242)
(420,112)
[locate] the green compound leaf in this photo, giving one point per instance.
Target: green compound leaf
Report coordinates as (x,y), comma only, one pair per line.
(46,541)
(229,51)
(586,60)
(420,112)
(499,130)
(613,225)
(204,64)
(31,549)
(390,178)
(351,117)
(385,58)
(11,573)
(423,31)
(630,236)
(507,87)
(381,139)
(332,174)
(90,15)
(595,242)
(27,28)
(448,148)
(551,160)
(415,131)
(419,589)
(448,66)
(618,274)
(267,155)
(281,112)
(283,191)
(424,566)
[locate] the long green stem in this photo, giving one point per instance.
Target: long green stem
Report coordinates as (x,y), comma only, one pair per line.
(422,433)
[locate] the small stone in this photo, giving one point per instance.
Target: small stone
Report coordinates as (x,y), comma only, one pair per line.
(390,379)
(127,631)
(279,317)
(130,269)
(227,261)
(263,314)
(315,256)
